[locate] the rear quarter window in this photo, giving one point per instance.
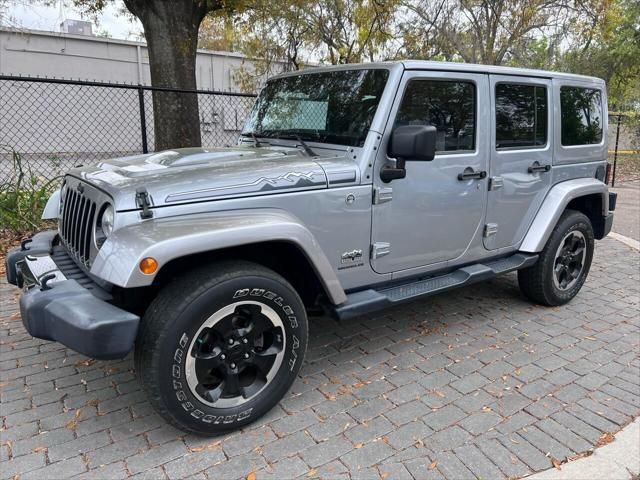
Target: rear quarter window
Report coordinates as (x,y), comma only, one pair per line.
(581,116)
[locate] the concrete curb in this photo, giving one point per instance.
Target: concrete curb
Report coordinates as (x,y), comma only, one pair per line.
(630,242)
(619,460)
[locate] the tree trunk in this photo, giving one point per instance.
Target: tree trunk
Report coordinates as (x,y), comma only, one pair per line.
(171,31)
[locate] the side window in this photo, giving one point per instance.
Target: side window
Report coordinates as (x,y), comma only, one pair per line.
(521,115)
(581,112)
(450,106)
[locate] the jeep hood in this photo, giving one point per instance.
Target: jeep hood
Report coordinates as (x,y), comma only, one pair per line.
(204,174)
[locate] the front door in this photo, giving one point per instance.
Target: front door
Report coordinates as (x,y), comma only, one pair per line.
(521,157)
(433,214)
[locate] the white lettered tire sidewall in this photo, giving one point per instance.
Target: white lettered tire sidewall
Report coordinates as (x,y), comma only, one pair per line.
(170,390)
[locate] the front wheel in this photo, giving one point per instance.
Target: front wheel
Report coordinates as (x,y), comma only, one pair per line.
(564,263)
(220,346)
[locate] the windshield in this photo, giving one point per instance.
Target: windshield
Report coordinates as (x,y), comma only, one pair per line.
(332,107)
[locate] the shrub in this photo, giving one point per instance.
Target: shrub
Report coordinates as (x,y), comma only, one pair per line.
(23,196)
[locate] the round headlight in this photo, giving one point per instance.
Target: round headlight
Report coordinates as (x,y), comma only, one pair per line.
(106,220)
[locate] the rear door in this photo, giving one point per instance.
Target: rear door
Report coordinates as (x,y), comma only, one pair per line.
(521,156)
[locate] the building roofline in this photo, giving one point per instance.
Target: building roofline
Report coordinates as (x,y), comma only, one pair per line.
(94,38)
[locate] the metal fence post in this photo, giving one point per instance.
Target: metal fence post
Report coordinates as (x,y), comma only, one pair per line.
(615,152)
(143,120)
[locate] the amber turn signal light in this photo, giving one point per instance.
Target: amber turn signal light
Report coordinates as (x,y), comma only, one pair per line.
(148,266)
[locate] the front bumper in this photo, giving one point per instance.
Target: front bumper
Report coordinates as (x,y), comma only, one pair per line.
(72,311)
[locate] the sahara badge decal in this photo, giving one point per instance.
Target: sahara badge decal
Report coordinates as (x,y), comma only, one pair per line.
(351,259)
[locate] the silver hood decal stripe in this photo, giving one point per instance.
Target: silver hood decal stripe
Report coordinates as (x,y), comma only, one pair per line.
(289,180)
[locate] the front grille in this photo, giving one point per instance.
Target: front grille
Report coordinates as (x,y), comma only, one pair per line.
(72,271)
(76,227)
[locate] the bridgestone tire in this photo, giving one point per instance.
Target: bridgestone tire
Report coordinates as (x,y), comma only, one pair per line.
(537,282)
(174,318)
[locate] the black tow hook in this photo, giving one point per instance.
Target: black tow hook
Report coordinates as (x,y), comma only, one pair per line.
(45,280)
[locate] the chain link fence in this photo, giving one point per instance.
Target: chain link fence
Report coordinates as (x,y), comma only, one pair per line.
(55,124)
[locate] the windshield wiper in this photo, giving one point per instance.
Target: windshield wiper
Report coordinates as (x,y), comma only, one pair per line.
(303,144)
(256,143)
(306,147)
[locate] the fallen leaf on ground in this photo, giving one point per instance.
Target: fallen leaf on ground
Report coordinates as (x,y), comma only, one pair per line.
(71,425)
(39,449)
(433,465)
(312,473)
(86,363)
(605,439)
(556,463)
(580,455)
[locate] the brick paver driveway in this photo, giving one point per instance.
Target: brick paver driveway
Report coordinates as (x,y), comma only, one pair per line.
(476,382)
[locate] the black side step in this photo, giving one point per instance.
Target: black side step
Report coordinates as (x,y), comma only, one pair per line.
(365,301)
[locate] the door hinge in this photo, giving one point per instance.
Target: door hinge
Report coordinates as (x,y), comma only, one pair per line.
(490,229)
(495,183)
(382,195)
(380,249)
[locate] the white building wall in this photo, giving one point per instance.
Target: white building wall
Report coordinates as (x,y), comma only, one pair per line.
(58,125)
(59,55)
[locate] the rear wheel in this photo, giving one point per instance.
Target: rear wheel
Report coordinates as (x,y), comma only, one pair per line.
(220,346)
(564,262)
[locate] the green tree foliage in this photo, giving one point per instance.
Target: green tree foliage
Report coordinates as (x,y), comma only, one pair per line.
(594,37)
(476,31)
(607,44)
(289,34)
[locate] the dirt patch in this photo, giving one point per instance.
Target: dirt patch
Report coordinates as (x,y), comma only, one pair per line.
(627,167)
(8,240)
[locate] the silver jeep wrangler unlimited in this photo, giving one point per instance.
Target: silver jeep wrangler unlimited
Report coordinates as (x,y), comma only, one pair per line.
(351,189)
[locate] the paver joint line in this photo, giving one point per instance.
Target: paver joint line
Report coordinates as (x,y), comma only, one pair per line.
(470,383)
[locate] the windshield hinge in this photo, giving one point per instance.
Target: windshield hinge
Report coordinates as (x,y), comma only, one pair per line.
(142,200)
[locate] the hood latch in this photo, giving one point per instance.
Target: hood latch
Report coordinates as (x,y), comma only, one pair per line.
(142,200)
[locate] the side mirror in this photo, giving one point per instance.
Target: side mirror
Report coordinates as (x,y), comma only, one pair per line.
(413,142)
(409,143)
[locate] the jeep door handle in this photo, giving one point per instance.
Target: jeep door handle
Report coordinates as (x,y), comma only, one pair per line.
(469,174)
(536,167)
